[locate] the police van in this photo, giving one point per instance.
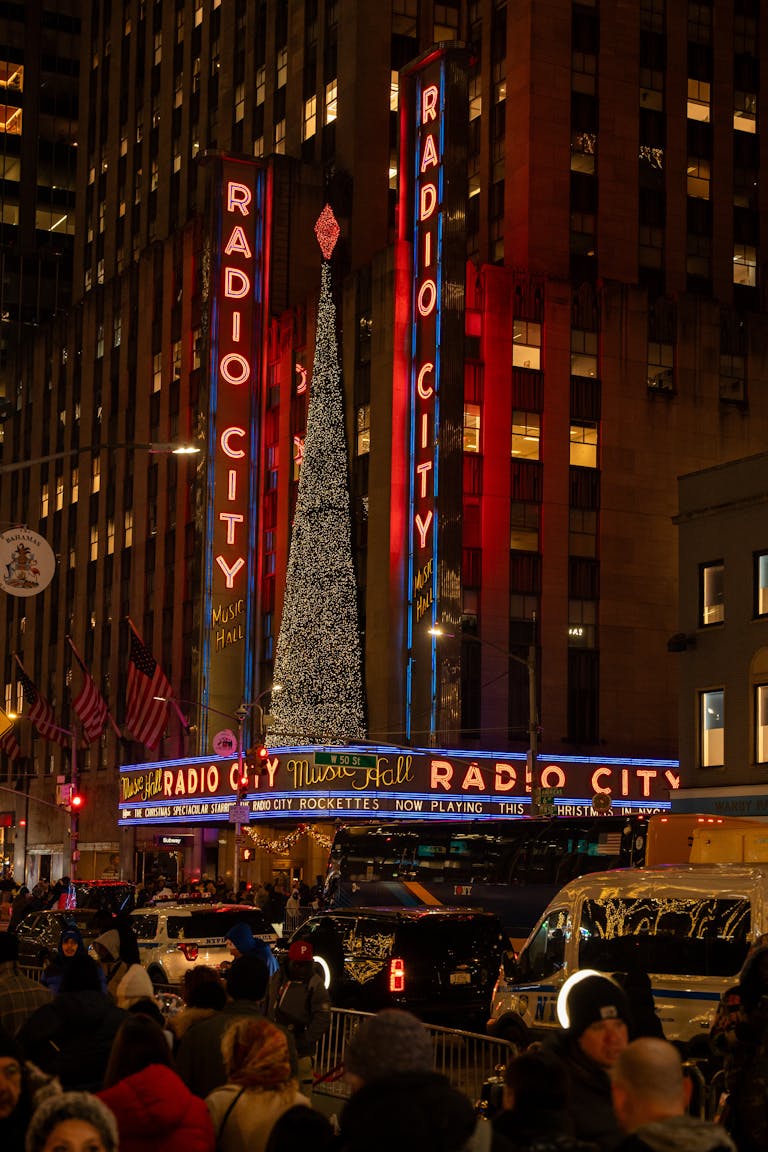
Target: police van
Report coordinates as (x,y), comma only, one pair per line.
(689,927)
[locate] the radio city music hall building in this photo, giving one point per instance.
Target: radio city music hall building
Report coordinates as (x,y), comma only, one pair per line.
(549,305)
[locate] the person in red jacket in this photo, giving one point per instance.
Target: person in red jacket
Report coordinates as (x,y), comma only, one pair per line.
(155,1110)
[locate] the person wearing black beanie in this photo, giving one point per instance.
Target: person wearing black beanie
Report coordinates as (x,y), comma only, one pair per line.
(16,1106)
(597,1032)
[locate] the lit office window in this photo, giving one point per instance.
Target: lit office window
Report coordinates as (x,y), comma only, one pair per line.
(583,445)
(95,474)
(75,485)
(761,723)
(712,593)
(309,126)
(745,111)
(471,427)
(59,493)
(128,527)
(94,551)
(44,500)
(331,101)
(698,100)
(712,728)
(761,584)
(526,344)
(526,434)
(583,353)
(745,265)
(110,537)
(282,67)
(698,177)
(394,90)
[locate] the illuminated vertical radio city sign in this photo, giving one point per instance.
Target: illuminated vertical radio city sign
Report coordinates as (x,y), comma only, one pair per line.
(433,217)
(237,287)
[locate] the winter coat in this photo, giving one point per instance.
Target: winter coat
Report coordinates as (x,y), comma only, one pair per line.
(549,1132)
(72,1038)
(678,1134)
(54,973)
(301,1005)
(412,1112)
(156,1112)
(253,1115)
(591,1102)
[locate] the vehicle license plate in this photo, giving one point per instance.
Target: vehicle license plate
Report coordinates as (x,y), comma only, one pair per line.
(461,978)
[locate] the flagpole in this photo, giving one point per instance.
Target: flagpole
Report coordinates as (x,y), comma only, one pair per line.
(74,851)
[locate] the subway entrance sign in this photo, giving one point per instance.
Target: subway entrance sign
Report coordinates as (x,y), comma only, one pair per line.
(345,759)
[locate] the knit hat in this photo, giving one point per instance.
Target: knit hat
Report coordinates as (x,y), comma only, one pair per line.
(388,1043)
(71,1106)
(300,950)
(135,985)
(593,999)
(110,942)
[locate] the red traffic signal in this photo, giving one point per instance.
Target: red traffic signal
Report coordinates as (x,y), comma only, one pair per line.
(76,801)
(262,755)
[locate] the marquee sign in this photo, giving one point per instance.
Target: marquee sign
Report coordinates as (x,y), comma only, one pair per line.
(405,782)
(236,316)
(433,162)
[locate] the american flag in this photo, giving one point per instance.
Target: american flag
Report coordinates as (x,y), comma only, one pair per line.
(10,745)
(40,711)
(145,717)
(89,704)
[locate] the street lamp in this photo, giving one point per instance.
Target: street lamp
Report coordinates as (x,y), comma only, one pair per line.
(531,664)
(153,449)
(240,716)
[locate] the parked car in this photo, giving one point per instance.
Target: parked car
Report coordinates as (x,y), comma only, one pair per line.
(439,963)
(175,937)
(39,932)
(689,928)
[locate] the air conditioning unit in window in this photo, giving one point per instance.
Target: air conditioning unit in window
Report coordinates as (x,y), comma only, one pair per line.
(663,381)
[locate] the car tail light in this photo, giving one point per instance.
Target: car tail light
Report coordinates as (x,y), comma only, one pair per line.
(397,976)
(190,951)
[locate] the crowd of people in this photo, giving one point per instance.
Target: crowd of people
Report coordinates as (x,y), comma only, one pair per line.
(89,1063)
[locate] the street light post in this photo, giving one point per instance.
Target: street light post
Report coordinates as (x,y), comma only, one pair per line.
(67,453)
(530,663)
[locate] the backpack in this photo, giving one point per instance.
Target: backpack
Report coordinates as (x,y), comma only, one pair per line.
(292,1004)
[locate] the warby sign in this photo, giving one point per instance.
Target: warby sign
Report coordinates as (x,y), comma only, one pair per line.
(406,782)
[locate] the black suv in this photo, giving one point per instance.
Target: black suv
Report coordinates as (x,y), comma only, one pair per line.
(439,963)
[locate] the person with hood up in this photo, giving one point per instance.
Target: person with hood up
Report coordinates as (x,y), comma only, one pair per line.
(398,1100)
(70,944)
(739,1034)
(650,1096)
(241,941)
(135,985)
(259,1088)
(154,1109)
(596,1019)
(298,1000)
(72,1036)
(106,949)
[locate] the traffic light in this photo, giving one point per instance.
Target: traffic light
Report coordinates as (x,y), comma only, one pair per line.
(262,755)
(247,854)
(242,783)
(76,801)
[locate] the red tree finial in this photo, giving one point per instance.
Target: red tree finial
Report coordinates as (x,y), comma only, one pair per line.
(327,231)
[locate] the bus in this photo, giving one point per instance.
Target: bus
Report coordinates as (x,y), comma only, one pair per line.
(512,867)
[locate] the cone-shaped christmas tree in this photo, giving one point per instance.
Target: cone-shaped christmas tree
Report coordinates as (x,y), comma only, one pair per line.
(318,661)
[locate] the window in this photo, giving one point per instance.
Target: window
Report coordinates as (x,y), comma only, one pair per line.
(698,100)
(309,126)
(732,378)
(582,616)
(745,265)
(363,429)
(94,552)
(761,723)
(712,728)
(698,177)
(157,371)
(526,347)
(128,526)
(526,435)
(661,372)
(394,90)
(43,500)
(582,532)
(545,954)
(280,137)
(583,445)
(110,537)
(261,85)
(471,427)
(524,520)
(711,593)
(96,474)
(745,111)
(583,353)
(761,584)
(59,493)
(282,67)
(331,103)
(298,455)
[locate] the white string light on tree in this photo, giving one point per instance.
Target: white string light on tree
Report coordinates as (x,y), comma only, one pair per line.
(318,661)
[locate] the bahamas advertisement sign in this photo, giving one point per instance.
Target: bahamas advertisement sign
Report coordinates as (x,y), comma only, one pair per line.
(403,782)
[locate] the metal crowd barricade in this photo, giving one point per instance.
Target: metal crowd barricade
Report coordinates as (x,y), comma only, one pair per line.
(467,1059)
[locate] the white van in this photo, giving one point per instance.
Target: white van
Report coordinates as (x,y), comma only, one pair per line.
(688,926)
